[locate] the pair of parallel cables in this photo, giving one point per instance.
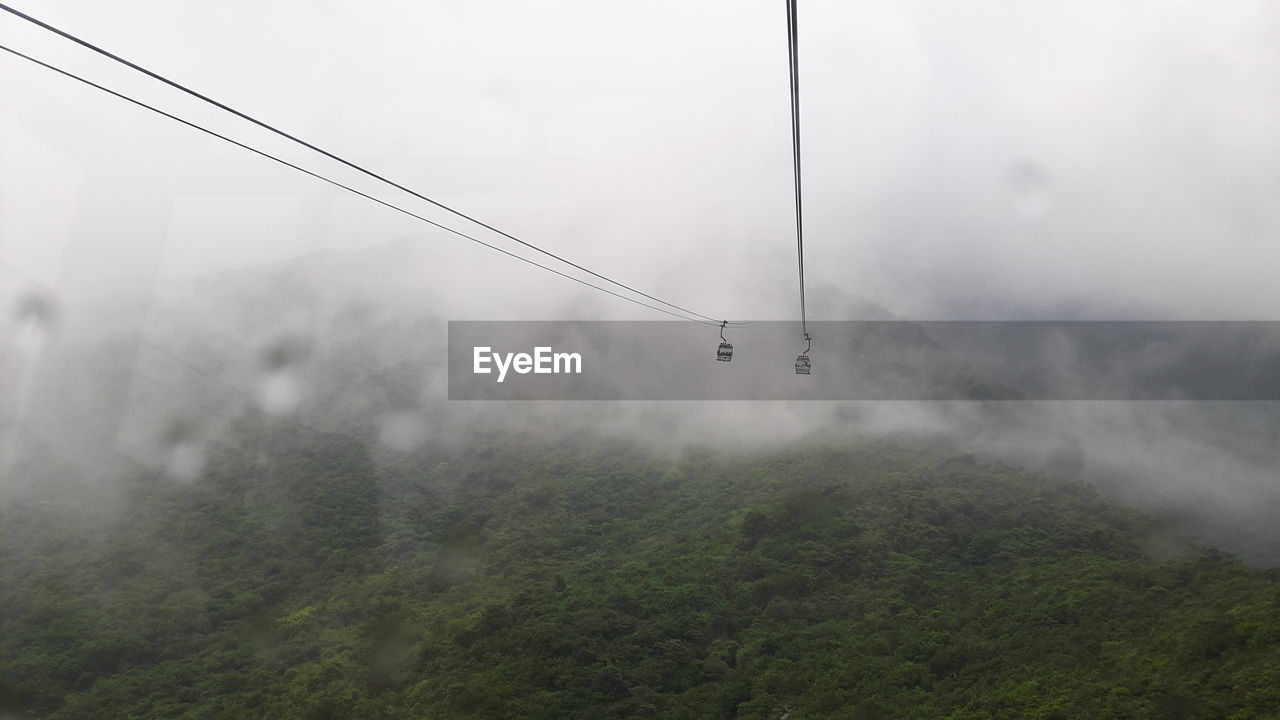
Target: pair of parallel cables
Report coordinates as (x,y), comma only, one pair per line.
(657,303)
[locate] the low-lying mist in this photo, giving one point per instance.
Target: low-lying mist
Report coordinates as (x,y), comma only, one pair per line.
(353,343)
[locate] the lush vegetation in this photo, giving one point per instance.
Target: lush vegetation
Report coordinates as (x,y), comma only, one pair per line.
(511,578)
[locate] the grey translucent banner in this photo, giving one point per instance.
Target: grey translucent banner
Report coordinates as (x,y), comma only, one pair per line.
(866,360)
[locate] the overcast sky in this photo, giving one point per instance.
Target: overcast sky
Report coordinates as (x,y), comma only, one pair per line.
(983,159)
(990,159)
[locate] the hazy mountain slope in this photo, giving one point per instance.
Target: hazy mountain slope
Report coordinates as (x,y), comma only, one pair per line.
(354,341)
(509,577)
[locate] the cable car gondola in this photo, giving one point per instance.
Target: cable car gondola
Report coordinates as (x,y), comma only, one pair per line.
(724,353)
(802,360)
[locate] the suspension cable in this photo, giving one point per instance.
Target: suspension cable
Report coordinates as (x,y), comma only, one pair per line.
(333,156)
(794,57)
(348,188)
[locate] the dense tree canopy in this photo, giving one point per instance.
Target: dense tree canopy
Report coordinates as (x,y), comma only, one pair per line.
(509,578)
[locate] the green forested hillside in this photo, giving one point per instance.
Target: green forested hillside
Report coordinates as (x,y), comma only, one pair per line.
(512,578)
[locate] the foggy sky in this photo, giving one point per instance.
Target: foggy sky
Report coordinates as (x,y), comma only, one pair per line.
(977,160)
(980,160)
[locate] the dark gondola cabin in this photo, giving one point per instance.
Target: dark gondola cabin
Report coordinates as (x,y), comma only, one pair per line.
(802,364)
(724,353)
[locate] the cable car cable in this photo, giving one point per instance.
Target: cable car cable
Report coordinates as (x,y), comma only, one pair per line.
(347,187)
(326,153)
(793,56)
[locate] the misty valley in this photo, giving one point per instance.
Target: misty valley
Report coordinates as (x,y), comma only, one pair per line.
(485,360)
(227,520)
(516,575)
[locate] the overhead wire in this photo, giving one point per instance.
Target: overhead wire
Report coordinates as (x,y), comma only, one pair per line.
(350,189)
(245,116)
(793,45)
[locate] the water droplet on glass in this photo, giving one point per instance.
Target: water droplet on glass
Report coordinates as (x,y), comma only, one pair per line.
(283,354)
(402,431)
(34,316)
(185,461)
(279,392)
(184,452)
